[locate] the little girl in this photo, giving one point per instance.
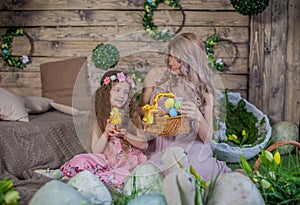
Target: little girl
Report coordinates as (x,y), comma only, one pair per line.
(116,148)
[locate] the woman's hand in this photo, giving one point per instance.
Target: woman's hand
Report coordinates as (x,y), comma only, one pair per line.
(190,110)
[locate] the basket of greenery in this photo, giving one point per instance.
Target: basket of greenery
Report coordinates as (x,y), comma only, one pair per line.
(240,128)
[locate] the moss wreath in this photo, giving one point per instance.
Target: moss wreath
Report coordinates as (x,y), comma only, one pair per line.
(249,7)
(218,64)
(105,56)
(150,6)
(6,48)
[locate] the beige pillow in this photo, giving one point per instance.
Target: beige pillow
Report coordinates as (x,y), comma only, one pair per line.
(36,104)
(11,107)
(58,79)
(67,109)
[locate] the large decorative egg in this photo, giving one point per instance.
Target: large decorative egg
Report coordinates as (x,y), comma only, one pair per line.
(285,131)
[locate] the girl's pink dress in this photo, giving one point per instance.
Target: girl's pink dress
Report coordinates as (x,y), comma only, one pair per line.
(112,167)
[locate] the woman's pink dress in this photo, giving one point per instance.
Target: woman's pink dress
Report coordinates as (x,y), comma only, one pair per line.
(112,167)
(200,155)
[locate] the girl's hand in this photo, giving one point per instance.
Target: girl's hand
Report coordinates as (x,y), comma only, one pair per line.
(190,110)
(110,129)
(122,132)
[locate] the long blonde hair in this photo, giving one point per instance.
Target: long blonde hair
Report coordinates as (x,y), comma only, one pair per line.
(194,66)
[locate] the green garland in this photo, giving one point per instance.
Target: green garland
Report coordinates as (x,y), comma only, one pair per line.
(249,7)
(6,48)
(210,43)
(150,6)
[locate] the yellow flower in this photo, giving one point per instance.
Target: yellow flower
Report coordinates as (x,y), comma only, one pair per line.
(255,179)
(277,157)
(147,8)
(232,137)
(4,45)
(243,132)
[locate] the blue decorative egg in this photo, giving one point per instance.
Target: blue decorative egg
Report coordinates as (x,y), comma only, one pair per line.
(173,112)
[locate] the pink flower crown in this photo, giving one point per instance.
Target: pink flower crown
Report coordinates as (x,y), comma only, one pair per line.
(121,77)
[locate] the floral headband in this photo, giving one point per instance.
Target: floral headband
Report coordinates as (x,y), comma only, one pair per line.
(121,77)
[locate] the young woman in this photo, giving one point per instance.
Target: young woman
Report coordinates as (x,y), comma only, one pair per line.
(188,77)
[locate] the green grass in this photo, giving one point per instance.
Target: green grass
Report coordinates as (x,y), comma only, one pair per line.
(285,160)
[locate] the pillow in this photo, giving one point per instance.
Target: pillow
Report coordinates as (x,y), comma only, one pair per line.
(66,109)
(58,79)
(36,104)
(11,107)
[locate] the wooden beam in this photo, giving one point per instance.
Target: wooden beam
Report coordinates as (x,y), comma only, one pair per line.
(106,4)
(292,88)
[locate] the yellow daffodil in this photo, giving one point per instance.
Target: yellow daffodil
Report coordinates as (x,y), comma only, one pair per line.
(244,133)
(232,137)
(269,155)
(277,157)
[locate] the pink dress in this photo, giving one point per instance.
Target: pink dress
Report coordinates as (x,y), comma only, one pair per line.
(112,167)
(200,155)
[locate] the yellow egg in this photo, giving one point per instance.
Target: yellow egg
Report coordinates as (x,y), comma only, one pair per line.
(169,103)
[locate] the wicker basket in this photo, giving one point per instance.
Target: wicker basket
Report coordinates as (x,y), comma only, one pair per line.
(274,146)
(166,126)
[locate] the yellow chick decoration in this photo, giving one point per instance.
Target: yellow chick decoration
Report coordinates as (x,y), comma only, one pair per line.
(115,116)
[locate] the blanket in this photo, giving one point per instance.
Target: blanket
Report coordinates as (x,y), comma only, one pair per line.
(47,141)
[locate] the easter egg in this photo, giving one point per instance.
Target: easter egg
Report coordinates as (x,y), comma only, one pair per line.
(176,105)
(173,112)
(285,131)
(169,103)
(242,190)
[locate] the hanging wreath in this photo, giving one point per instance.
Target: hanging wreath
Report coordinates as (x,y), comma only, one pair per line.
(105,56)
(6,48)
(249,7)
(150,6)
(218,64)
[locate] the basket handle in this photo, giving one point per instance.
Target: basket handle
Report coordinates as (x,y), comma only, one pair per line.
(274,146)
(161,94)
(148,117)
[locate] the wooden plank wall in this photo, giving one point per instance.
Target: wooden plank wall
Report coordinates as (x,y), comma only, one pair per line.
(274,85)
(71,28)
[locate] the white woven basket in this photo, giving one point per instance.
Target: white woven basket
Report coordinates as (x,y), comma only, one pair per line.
(228,153)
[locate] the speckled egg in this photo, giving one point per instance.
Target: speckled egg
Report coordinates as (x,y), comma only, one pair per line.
(234,188)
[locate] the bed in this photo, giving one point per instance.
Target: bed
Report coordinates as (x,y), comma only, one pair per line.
(47,141)
(35,134)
